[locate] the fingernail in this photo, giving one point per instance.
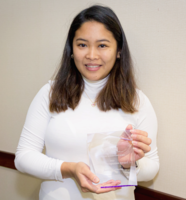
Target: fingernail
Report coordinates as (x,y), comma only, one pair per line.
(110,181)
(133,136)
(134,142)
(132,131)
(136,149)
(96,179)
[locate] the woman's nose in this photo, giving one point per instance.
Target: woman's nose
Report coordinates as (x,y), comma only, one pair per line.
(92,54)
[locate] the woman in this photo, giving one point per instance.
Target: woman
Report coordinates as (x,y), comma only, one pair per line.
(93,91)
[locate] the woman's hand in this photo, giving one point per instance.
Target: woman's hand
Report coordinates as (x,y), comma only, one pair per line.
(140,144)
(85,178)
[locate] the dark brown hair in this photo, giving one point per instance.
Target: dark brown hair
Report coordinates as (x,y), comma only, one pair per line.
(120,89)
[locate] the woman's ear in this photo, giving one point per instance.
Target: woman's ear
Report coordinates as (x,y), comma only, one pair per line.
(118,54)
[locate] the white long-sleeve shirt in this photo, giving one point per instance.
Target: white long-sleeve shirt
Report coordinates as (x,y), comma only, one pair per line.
(65,135)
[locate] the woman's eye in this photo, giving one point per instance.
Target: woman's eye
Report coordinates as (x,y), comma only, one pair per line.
(82,45)
(102,45)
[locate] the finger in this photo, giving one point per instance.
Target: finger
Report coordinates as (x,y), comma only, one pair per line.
(129,127)
(139,132)
(145,148)
(97,189)
(139,152)
(87,186)
(91,176)
(85,190)
(141,138)
(85,179)
(108,182)
(127,133)
(111,183)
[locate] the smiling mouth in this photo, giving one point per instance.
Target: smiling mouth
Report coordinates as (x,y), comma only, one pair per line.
(92,67)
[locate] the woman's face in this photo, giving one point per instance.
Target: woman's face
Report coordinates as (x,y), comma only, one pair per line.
(94,50)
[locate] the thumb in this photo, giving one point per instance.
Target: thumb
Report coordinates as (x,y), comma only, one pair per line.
(127,130)
(91,176)
(129,127)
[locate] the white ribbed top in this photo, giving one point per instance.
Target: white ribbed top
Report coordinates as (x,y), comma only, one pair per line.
(65,137)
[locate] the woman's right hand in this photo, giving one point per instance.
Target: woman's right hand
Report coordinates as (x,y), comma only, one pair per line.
(85,178)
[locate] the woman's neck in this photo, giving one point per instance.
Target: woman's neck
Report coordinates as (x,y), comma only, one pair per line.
(92,88)
(94,82)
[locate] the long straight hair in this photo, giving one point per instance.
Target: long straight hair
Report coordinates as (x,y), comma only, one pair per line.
(120,89)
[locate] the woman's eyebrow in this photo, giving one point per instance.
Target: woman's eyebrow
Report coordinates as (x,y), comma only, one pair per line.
(102,40)
(81,39)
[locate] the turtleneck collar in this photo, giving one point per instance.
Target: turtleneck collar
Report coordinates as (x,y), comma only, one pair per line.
(92,88)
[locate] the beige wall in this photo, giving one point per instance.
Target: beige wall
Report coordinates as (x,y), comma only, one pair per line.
(32,34)
(18,186)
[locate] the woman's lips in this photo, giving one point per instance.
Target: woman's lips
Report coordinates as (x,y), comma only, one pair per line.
(92,67)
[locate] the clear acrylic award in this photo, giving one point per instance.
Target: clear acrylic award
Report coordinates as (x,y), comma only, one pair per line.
(109,153)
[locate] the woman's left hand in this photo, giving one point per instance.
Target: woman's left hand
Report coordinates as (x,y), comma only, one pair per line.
(141,145)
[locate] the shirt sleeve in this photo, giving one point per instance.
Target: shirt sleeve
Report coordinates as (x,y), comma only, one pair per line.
(146,120)
(29,157)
